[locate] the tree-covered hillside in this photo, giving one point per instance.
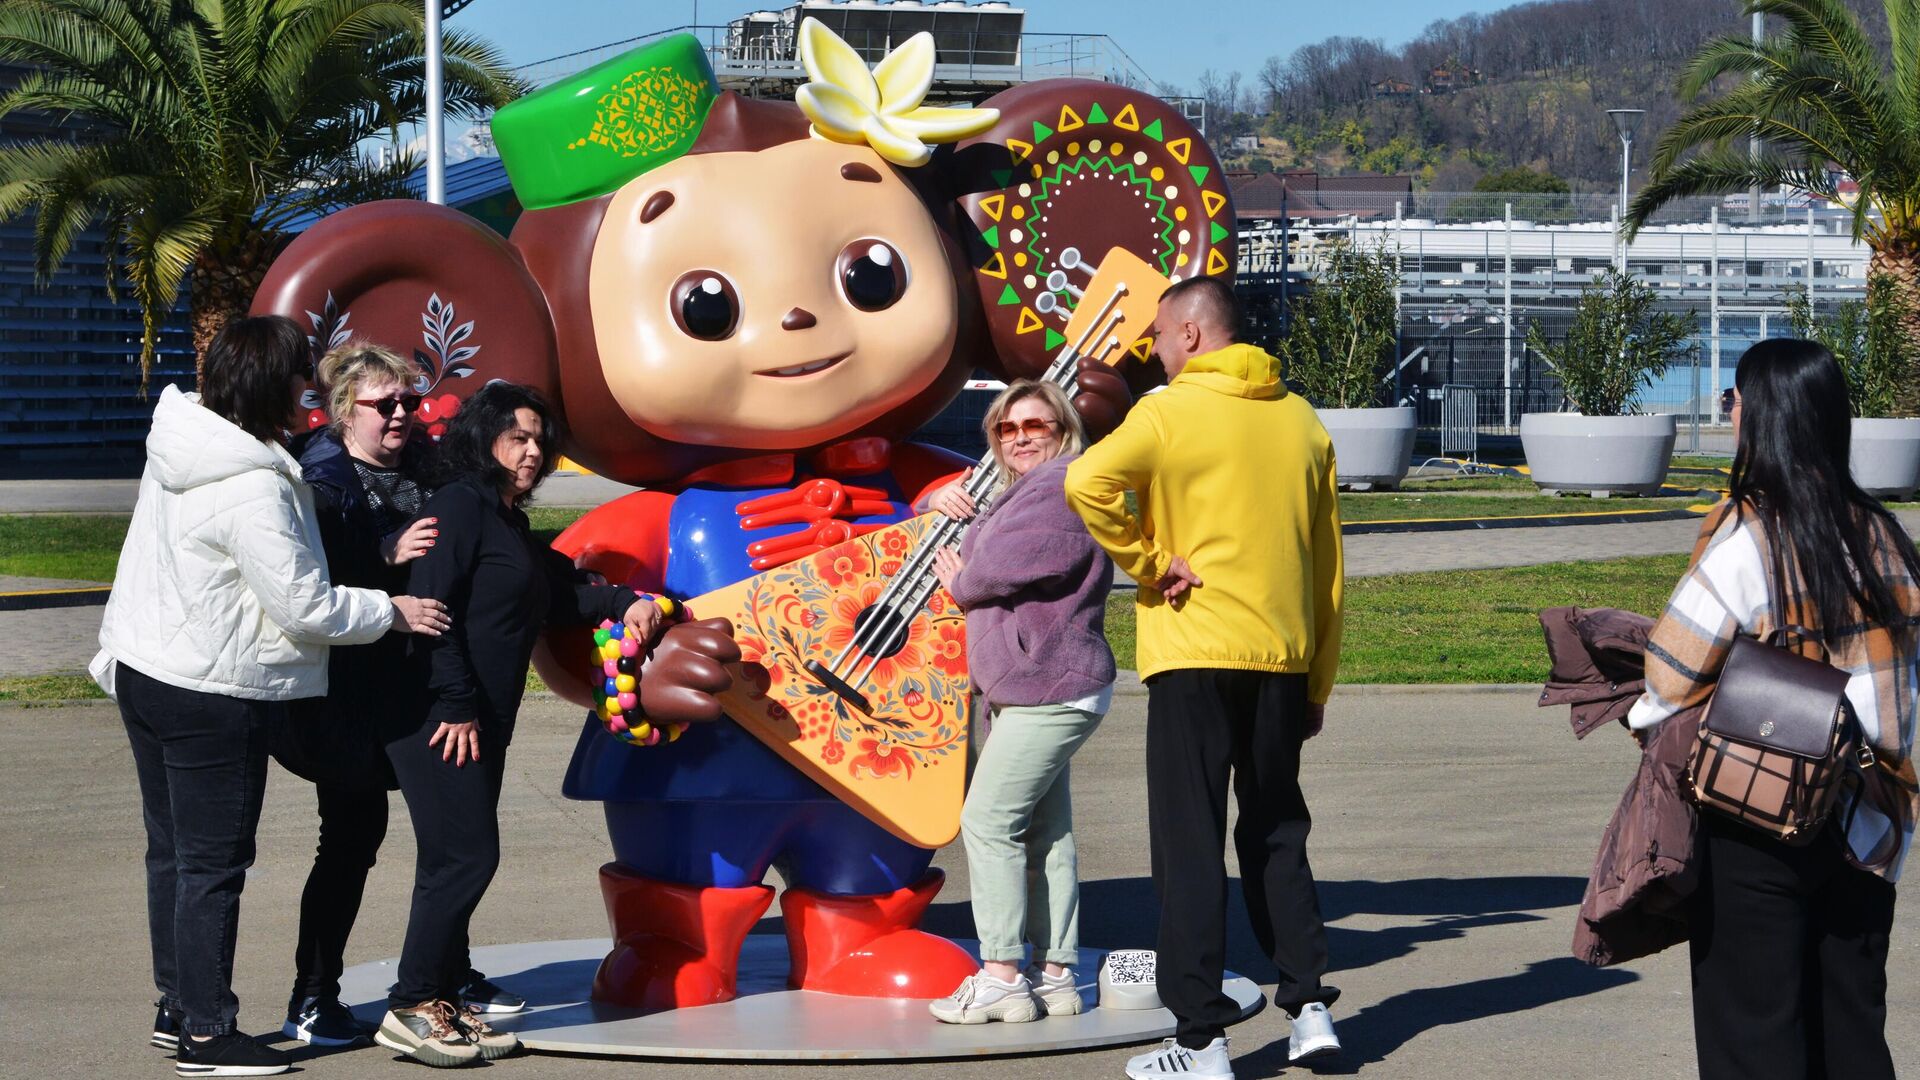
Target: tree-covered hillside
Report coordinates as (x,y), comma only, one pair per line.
(1524,87)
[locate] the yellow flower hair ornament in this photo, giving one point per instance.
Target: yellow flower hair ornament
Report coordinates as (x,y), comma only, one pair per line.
(880,108)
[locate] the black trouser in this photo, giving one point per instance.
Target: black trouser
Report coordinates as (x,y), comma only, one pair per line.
(1200,723)
(1789,949)
(353,822)
(202,763)
(456,827)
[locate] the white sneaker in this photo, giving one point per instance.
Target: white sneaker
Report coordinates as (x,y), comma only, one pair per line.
(1313,1035)
(981,998)
(1172,1059)
(1059,994)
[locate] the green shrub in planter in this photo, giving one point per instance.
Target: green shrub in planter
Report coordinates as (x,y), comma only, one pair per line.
(1865,337)
(1341,341)
(1618,343)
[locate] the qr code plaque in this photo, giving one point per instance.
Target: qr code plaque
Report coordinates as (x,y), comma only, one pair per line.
(1127,980)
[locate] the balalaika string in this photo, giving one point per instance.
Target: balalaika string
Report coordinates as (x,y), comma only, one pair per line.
(882,629)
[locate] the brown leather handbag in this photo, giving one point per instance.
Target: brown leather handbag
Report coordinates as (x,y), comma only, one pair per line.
(1778,738)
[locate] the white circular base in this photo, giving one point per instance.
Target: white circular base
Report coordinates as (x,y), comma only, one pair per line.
(767,1022)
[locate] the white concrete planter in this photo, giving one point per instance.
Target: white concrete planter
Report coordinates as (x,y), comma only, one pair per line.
(1372,447)
(1603,455)
(1886,457)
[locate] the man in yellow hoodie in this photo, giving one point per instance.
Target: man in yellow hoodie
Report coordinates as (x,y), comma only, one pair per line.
(1236,547)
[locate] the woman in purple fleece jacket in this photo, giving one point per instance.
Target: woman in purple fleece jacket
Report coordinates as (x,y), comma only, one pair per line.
(1034,586)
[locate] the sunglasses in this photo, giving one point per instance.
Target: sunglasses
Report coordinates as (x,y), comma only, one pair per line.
(1008,431)
(386,405)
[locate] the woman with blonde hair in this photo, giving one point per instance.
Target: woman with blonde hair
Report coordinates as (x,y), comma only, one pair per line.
(1034,587)
(365,469)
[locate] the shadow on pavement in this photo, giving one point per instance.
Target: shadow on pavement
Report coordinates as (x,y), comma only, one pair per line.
(1375,1032)
(1122,912)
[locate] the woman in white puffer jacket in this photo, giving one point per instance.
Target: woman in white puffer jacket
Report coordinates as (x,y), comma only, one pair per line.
(221,610)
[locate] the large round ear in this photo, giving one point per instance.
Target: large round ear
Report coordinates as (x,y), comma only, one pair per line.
(431,283)
(1085,165)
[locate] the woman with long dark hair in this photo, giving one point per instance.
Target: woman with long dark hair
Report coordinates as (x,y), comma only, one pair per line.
(222,611)
(1789,944)
(503,586)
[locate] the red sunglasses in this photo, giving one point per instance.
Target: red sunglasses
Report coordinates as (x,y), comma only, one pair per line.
(386,405)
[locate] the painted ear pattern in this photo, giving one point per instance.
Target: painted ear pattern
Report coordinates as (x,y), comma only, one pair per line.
(436,286)
(1087,166)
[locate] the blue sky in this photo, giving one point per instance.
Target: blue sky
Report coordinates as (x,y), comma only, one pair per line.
(1226,35)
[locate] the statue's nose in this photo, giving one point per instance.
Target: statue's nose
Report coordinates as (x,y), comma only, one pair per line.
(798,319)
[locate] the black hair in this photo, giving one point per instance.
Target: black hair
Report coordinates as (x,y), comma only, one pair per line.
(466,449)
(1790,468)
(1214,301)
(249,370)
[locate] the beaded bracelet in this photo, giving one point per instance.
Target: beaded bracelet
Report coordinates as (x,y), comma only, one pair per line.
(616,697)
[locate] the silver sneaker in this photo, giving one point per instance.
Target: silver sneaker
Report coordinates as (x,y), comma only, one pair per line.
(981,998)
(1313,1035)
(1172,1059)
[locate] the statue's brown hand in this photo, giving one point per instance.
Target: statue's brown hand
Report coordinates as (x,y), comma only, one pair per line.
(685,671)
(1102,399)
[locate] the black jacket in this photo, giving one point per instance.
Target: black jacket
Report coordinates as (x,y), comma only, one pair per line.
(338,739)
(501,587)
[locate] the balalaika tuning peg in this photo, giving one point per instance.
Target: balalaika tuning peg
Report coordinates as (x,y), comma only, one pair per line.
(1049,304)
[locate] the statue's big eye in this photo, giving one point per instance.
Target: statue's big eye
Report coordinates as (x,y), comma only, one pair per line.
(704,305)
(872,273)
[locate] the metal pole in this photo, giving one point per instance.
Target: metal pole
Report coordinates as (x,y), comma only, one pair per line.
(1626,159)
(1753,141)
(1506,319)
(1399,281)
(436,108)
(1619,249)
(1713,306)
(1286,241)
(1693,434)
(1809,257)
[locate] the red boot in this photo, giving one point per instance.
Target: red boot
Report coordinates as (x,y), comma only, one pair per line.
(866,946)
(675,946)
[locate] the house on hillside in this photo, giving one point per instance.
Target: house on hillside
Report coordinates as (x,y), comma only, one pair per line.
(1392,88)
(1445,80)
(1303,194)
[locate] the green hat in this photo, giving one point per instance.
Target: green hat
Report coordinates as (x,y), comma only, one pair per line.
(591,132)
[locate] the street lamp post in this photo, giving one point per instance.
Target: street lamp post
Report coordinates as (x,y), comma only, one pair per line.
(437,99)
(1626,121)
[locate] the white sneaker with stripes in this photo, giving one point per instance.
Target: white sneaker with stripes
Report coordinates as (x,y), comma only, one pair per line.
(1172,1059)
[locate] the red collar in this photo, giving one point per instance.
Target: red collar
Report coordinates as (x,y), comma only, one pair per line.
(854,457)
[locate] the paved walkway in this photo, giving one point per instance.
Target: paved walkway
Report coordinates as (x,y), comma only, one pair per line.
(1453,834)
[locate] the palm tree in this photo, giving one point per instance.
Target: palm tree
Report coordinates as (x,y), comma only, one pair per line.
(210,125)
(1818,95)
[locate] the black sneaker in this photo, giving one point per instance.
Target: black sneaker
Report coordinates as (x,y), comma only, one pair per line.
(166,1027)
(232,1054)
(484,996)
(324,1022)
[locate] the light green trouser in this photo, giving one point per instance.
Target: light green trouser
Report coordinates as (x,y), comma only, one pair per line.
(1019,813)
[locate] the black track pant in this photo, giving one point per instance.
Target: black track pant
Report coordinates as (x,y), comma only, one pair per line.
(353,822)
(1201,723)
(1789,949)
(456,828)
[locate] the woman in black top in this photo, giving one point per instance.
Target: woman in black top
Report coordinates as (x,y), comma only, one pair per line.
(368,492)
(502,587)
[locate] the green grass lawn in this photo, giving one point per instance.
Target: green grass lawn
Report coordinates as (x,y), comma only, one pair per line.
(1414,506)
(77,547)
(1465,626)
(1473,626)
